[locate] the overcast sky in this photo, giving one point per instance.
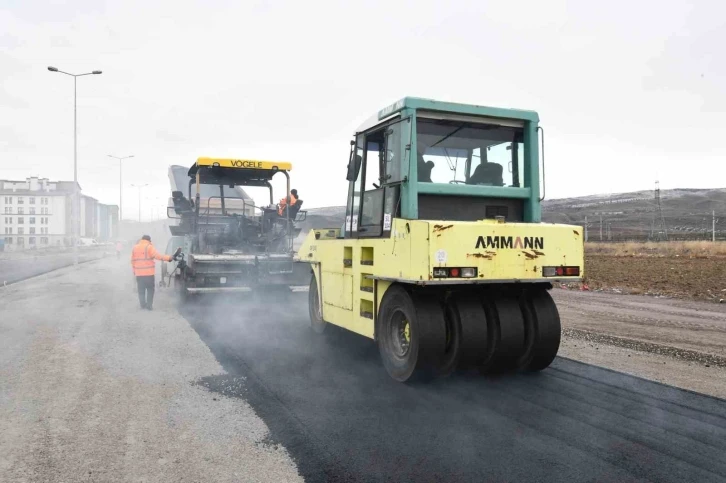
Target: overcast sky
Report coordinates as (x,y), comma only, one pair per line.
(626,91)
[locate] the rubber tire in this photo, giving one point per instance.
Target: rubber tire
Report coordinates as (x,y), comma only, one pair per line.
(452,354)
(316,323)
(509,346)
(477,334)
(543,324)
(427,328)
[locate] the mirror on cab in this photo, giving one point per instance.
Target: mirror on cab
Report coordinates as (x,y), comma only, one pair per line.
(354,164)
(354,167)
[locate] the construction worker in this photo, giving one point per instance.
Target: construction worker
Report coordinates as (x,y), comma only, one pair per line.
(142,261)
(119,247)
(285,202)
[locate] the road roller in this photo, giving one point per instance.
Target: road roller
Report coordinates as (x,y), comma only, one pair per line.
(443,260)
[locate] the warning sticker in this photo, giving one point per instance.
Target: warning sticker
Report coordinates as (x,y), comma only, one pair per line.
(441,256)
(386,222)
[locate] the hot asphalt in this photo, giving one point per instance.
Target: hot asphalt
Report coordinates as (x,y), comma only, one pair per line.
(328,400)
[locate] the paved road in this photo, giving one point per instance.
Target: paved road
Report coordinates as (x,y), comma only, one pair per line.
(329,402)
(93,388)
(16,269)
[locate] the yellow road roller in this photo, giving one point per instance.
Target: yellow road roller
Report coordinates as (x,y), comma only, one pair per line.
(443,259)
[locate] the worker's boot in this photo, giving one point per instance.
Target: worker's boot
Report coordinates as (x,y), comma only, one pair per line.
(150,297)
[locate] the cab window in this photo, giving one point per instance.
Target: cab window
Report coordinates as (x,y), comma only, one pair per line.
(373,194)
(371,215)
(455,152)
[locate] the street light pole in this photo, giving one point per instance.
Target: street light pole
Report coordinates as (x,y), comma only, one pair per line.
(75,203)
(139,186)
(151,202)
(120,184)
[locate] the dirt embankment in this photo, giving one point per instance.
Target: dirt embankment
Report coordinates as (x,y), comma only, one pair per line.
(681,270)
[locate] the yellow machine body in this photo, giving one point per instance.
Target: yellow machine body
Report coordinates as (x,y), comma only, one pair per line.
(354,274)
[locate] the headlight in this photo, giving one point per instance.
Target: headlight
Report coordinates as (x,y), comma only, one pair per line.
(468,272)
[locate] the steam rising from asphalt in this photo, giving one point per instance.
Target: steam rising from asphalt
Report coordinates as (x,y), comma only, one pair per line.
(252,316)
(279,321)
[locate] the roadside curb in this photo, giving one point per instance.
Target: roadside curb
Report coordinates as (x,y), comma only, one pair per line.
(5,283)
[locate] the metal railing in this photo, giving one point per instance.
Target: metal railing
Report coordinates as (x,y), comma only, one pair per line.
(265,218)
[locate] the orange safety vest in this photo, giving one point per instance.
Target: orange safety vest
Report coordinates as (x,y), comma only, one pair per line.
(283,202)
(142,259)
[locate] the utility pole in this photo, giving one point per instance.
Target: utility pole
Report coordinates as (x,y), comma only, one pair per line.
(660,211)
(139,186)
(586,228)
(120,184)
(152,207)
(600,226)
(713,226)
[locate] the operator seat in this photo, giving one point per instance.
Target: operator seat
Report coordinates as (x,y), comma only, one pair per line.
(488,174)
(181,204)
(424,170)
(295,208)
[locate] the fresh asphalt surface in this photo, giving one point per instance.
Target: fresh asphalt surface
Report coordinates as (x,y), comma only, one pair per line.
(14,270)
(328,400)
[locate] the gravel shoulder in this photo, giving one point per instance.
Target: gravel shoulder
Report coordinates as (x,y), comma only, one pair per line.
(676,342)
(93,389)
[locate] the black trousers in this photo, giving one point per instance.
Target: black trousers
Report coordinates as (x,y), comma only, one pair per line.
(146,290)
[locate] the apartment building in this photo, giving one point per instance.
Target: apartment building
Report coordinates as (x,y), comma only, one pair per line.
(36,213)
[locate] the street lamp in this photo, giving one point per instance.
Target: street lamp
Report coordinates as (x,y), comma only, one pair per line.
(139,186)
(151,202)
(74,204)
(120,184)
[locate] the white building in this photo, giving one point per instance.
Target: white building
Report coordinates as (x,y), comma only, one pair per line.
(36,213)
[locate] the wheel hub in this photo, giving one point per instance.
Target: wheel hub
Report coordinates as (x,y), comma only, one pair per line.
(401,336)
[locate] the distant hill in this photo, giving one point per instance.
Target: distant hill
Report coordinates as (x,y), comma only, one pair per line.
(633,216)
(626,216)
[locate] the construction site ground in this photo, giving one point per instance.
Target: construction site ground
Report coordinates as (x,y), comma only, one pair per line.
(676,342)
(686,270)
(688,278)
(94,389)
